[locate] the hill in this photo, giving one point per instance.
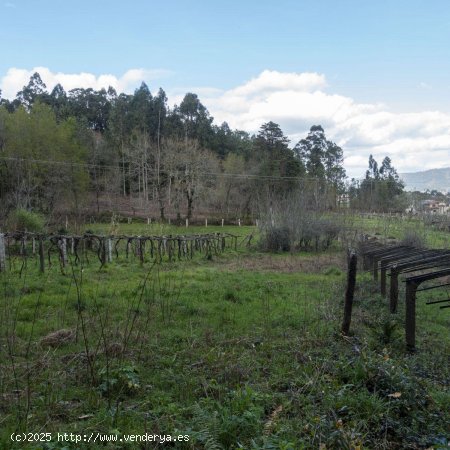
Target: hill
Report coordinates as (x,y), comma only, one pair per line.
(438,179)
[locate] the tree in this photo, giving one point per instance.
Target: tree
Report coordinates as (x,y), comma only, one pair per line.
(35,89)
(43,167)
(196,120)
(323,160)
(191,170)
(381,190)
(234,189)
(271,146)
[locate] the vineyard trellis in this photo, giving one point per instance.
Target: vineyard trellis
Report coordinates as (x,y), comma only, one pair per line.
(80,247)
(417,266)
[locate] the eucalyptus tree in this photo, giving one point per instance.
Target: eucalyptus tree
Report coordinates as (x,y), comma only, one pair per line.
(34,90)
(381,190)
(323,160)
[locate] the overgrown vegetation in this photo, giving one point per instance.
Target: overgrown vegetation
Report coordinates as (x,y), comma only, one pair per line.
(294,224)
(239,352)
(23,220)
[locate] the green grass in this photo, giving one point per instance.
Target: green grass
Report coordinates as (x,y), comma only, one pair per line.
(143,229)
(397,227)
(241,351)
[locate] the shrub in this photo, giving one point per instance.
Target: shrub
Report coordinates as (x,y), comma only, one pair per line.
(276,239)
(23,220)
(308,232)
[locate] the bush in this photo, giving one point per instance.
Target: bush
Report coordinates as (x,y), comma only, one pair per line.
(307,233)
(276,239)
(23,220)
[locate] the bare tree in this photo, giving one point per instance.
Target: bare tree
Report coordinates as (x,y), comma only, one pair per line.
(192,171)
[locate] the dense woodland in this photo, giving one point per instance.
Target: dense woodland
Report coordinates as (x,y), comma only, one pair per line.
(69,151)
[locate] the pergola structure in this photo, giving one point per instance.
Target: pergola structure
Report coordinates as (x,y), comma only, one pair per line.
(417,265)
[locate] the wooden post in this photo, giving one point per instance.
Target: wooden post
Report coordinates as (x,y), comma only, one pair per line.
(127,248)
(141,250)
(239,222)
(41,255)
(393,291)
(222,222)
(366,263)
(187,223)
(383,278)
(103,253)
(33,246)
(349,293)
(149,221)
(67,223)
(2,253)
(375,269)
(410,314)
(206,223)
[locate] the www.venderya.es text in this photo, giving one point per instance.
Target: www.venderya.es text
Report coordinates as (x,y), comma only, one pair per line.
(97,437)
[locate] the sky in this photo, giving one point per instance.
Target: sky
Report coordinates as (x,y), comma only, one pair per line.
(374,74)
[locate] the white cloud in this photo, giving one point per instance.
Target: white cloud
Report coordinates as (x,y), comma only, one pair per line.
(414,141)
(15,79)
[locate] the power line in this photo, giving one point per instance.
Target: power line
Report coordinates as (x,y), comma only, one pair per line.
(120,167)
(216,174)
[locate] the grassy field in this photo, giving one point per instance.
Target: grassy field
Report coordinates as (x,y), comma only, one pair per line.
(240,350)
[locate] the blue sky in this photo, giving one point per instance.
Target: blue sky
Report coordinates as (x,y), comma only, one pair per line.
(395,53)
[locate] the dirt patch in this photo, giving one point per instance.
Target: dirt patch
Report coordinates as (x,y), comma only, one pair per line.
(315,263)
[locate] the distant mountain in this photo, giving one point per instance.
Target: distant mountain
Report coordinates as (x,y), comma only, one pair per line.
(438,179)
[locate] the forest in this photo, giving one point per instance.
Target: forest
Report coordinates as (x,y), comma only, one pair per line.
(87,152)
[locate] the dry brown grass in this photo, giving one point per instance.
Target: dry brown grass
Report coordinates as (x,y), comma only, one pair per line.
(58,338)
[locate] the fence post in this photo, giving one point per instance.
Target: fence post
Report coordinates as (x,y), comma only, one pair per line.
(239,222)
(187,223)
(222,222)
(393,291)
(206,223)
(375,268)
(103,253)
(2,253)
(349,293)
(41,255)
(383,271)
(109,249)
(63,243)
(141,250)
